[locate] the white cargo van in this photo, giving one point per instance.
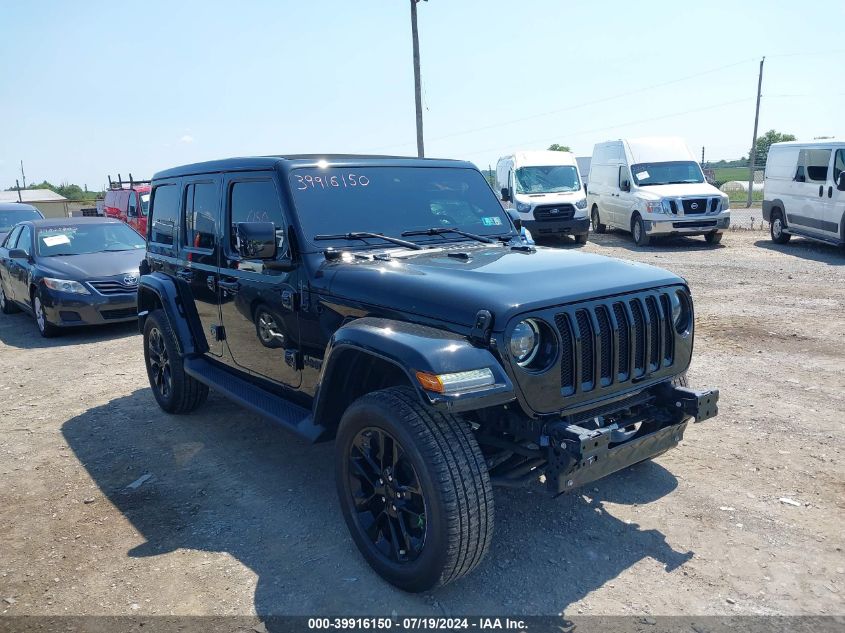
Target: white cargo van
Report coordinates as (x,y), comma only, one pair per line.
(804,191)
(653,187)
(545,190)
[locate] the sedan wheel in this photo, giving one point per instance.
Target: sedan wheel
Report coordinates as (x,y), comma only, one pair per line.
(45,328)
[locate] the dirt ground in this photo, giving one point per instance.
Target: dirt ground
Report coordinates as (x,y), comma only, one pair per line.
(109,506)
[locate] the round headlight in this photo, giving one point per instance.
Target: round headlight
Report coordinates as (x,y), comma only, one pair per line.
(525,340)
(680,311)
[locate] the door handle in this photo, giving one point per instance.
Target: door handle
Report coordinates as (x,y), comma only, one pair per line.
(830,192)
(185,274)
(231,287)
(821,190)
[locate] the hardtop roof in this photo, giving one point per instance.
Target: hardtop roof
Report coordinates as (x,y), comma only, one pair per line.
(248,163)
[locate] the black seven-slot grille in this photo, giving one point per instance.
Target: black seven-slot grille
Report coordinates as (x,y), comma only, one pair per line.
(621,340)
(554,212)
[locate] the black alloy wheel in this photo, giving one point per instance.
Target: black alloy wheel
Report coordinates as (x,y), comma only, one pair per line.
(386,491)
(161,377)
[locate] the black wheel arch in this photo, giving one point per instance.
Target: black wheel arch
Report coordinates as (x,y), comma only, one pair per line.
(158,291)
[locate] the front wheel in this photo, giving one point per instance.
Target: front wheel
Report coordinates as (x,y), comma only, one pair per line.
(580,238)
(641,238)
(713,238)
(413,488)
(174,390)
(45,328)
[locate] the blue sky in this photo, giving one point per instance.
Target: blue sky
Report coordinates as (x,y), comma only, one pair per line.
(96,88)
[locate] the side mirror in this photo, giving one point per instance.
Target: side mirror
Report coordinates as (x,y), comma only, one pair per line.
(18,253)
(625,186)
(517,221)
(841,184)
(256,240)
(506,195)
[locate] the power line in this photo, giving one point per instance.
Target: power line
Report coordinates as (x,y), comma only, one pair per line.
(572,107)
(613,127)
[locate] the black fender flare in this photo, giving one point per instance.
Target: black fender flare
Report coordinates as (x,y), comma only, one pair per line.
(157,289)
(410,348)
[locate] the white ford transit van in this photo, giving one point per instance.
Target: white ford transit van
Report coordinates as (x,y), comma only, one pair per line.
(545,189)
(653,187)
(804,191)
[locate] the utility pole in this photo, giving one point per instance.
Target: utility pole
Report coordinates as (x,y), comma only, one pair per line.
(752,157)
(23,175)
(702,156)
(18,185)
(417,84)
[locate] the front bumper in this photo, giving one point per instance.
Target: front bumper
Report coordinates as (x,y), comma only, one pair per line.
(68,310)
(579,454)
(659,224)
(572,226)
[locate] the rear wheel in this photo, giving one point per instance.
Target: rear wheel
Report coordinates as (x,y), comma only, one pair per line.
(6,306)
(174,390)
(777,227)
(45,328)
(598,227)
(713,238)
(641,238)
(413,488)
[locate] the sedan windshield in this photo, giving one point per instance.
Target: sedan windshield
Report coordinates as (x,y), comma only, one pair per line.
(551,179)
(8,219)
(334,201)
(81,239)
(672,173)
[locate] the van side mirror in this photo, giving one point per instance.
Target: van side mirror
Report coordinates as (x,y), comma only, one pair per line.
(841,184)
(256,240)
(517,221)
(625,185)
(506,195)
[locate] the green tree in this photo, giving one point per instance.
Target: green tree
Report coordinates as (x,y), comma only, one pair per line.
(555,147)
(765,142)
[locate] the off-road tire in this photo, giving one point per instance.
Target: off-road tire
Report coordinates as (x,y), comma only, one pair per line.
(185,393)
(7,306)
(595,219)
(45,328)
(776,227)
(641,238)
(452,475)
(713,238)
(580,238)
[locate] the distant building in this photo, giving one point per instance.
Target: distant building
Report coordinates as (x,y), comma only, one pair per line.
(51,204)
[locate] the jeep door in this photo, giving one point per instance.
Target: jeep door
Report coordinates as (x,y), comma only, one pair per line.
(257,303)
(200,251)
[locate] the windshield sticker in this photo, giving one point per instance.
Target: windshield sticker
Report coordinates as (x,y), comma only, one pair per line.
(347,180)
(55,240)
(642,175)
(491,221)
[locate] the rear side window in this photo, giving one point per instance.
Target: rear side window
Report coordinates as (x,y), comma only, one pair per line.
(813,165)
(255,201)
(164,213)
(200,215)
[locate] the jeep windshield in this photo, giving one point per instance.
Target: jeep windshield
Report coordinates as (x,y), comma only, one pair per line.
(335,201)
(670,173)
(551,179)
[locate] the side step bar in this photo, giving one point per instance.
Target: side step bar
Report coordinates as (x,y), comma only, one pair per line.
(291,416)
(819,238)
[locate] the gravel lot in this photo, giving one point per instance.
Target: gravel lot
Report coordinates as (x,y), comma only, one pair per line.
(237,517)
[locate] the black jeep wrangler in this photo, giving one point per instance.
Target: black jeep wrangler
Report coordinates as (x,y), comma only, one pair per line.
(391,305)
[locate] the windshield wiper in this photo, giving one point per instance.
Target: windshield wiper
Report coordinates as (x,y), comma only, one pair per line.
(439,230)
(363,235)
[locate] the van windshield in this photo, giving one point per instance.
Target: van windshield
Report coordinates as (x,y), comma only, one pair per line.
(675,172)
(550,179)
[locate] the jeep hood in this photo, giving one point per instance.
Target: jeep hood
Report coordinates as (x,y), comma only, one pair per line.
(506,282)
